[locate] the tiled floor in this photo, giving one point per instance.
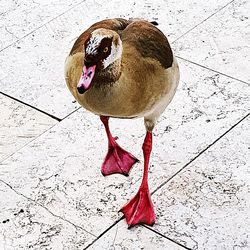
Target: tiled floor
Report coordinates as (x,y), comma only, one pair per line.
(53,195)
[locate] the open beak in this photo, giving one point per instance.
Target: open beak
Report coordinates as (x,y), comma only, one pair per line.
(86,78)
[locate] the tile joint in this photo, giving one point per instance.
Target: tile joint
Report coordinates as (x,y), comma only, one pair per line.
(104,232)
(42,25)
(37,203)
(203,21)
(33,107)
(202,66)
(199,154)
(164,236)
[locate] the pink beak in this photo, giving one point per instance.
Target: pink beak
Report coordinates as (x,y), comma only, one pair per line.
(86,79)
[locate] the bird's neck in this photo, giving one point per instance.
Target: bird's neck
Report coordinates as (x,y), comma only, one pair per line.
(108,76)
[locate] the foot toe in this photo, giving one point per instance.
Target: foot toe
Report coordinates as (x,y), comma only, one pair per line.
(139,210)
(118,161)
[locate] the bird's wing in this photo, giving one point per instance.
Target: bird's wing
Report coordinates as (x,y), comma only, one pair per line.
(148,41)
(116,24)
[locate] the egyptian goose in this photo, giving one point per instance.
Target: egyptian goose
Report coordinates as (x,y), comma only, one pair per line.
(124,69)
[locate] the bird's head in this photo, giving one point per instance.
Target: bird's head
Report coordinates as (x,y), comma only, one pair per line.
(102,50)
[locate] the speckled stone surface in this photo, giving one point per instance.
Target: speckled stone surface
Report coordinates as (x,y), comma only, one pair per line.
(63,170)
(19,125)
(18,18)
(52,193)
(119,237)
(222,42)
(26,225)
(207,206)
(32,69)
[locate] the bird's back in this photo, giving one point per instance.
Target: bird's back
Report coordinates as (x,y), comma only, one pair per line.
(149,41)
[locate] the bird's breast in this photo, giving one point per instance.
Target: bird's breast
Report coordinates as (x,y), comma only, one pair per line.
(141,88)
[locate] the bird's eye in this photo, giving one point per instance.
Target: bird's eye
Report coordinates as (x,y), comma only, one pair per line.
(105,50)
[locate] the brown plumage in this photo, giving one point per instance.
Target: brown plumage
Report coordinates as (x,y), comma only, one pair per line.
(125,69)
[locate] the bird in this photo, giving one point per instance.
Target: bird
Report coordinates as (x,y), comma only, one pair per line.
(119,68)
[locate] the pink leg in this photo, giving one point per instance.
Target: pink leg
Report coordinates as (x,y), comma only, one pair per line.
(139,210)
(117,159)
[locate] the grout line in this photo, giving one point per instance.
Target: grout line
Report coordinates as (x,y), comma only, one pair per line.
(199,154)
(205,67)
(203,21)
(29,105)
(59,119)
(39,110)
(37,203)
(42,25)
(164,236)
(165,182)
(4,159)
(104,232)
(71,113)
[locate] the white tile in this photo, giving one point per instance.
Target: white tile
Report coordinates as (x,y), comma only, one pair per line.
(222,42)
(19,124)
(21,17)
(119,237)
(32,69)
(26,225)
(18,18)
(174,18)
(61,169)
(207,206)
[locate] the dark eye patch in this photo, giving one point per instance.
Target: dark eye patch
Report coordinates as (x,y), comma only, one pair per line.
(100,55)
(106,42)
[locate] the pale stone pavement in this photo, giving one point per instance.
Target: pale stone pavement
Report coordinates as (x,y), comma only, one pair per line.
(52,194)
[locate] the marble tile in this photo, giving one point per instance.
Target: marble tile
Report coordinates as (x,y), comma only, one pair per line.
(19,125)
(26,225)
(61,168)
(119,237)
(222,42)
(18,18)
(32,69)
(174,18)
(207,205)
